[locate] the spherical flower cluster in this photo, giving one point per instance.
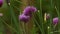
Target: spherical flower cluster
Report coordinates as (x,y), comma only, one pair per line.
(55,20)
(27,13)
(29,10)
(24,18)
(1,2)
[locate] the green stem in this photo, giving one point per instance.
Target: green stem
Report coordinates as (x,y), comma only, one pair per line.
(41,17)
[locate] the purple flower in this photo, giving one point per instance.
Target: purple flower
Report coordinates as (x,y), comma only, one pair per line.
(1,2)
(24,18)
(55,20)
(29,10)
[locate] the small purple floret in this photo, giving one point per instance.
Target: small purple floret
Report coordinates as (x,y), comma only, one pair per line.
(55,20)
(29,10)
(24,18)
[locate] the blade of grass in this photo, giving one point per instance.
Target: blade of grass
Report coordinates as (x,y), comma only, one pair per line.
(37,24)
(57,7)
(14,19)
(51,10)
(8,25)
(1,27)
(41,17)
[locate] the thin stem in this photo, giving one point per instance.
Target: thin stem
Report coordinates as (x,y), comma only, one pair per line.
(41,17)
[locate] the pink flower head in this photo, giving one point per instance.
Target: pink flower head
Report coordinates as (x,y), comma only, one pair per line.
(1,2)
(55,20)
(29,10)
(24,18)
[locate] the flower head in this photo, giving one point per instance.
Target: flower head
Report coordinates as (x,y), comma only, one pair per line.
(55,20)
(1,2)
(24,18)
(27,13)
(29,10)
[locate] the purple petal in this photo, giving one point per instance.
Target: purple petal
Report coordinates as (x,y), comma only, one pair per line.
(24,18)
(1,2)
(29,10)
(55,20)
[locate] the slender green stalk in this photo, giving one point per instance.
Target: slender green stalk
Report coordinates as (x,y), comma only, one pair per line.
(57,7)
(51,10)
(24,30)
(14,19)
(8,25)
(41,17)
(1,26)
(37,24)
